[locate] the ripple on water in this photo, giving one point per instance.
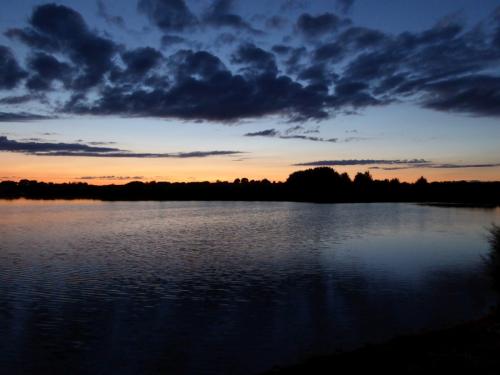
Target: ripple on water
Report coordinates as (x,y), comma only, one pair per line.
(226,287)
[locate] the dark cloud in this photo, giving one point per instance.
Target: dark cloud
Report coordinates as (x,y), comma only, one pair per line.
(311,130)
(257,60)
(58,21)
(374,65)
(143,70)
(281,49)
(361,38)
(58,28)
(203,88)
(439,166)
(139,62)
(112,20)
(168,15)
(202,154)
(37,147)
(100,143)
(295,129)
(264,133)
(12,100)
(355,94)
(477,94)
(170,40)
(10,71)
(126,154)
(453,166)
(220,7)
(197,64)
(21,117)
(496,26)
(329,51)
(84,150)
(288,135)
(295,58)
(447,67)
(317,74)
(48,66)
(444,66)
(220,14)
(220,97)
(361,162)
(35,139)
(44,69)
(308,138)
(33,39)
(315,26)
(345,89)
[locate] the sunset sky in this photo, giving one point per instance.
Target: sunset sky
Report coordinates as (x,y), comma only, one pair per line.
(111,91)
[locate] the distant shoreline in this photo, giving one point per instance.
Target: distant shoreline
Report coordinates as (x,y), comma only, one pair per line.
(318,185)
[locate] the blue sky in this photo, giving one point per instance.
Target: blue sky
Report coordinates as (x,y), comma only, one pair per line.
(248,89)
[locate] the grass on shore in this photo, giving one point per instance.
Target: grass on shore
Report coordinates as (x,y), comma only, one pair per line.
(494,255)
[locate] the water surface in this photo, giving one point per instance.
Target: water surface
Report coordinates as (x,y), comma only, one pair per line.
(90,287)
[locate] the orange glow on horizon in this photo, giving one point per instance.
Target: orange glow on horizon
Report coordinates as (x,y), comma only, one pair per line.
(75,169)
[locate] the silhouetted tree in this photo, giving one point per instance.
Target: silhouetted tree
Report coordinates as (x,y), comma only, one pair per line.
(422,181)
(313,185)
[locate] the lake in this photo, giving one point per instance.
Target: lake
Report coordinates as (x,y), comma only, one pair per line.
(90,287)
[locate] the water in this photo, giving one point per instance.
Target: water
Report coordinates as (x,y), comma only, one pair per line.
(91,287)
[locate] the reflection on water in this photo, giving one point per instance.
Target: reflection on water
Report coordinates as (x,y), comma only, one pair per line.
(226,287)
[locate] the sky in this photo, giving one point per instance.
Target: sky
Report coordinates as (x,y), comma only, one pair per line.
(192,90)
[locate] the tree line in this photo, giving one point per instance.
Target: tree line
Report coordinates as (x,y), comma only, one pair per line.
(321,184)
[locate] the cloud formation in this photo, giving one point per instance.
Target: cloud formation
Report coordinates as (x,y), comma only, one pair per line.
(10,71)
(439,166)
(291,134)
(321,163)
(334,67)
(168,15)
(59,29)
(85,150)
(110,19)
(276,134)
(395,164)
(219,14)
(315,26)
(21,117)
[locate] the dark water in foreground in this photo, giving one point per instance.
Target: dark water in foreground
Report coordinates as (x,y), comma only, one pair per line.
(226,287)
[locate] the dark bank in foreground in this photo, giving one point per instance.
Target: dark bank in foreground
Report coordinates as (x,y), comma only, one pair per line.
(312,185)
(469,348)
